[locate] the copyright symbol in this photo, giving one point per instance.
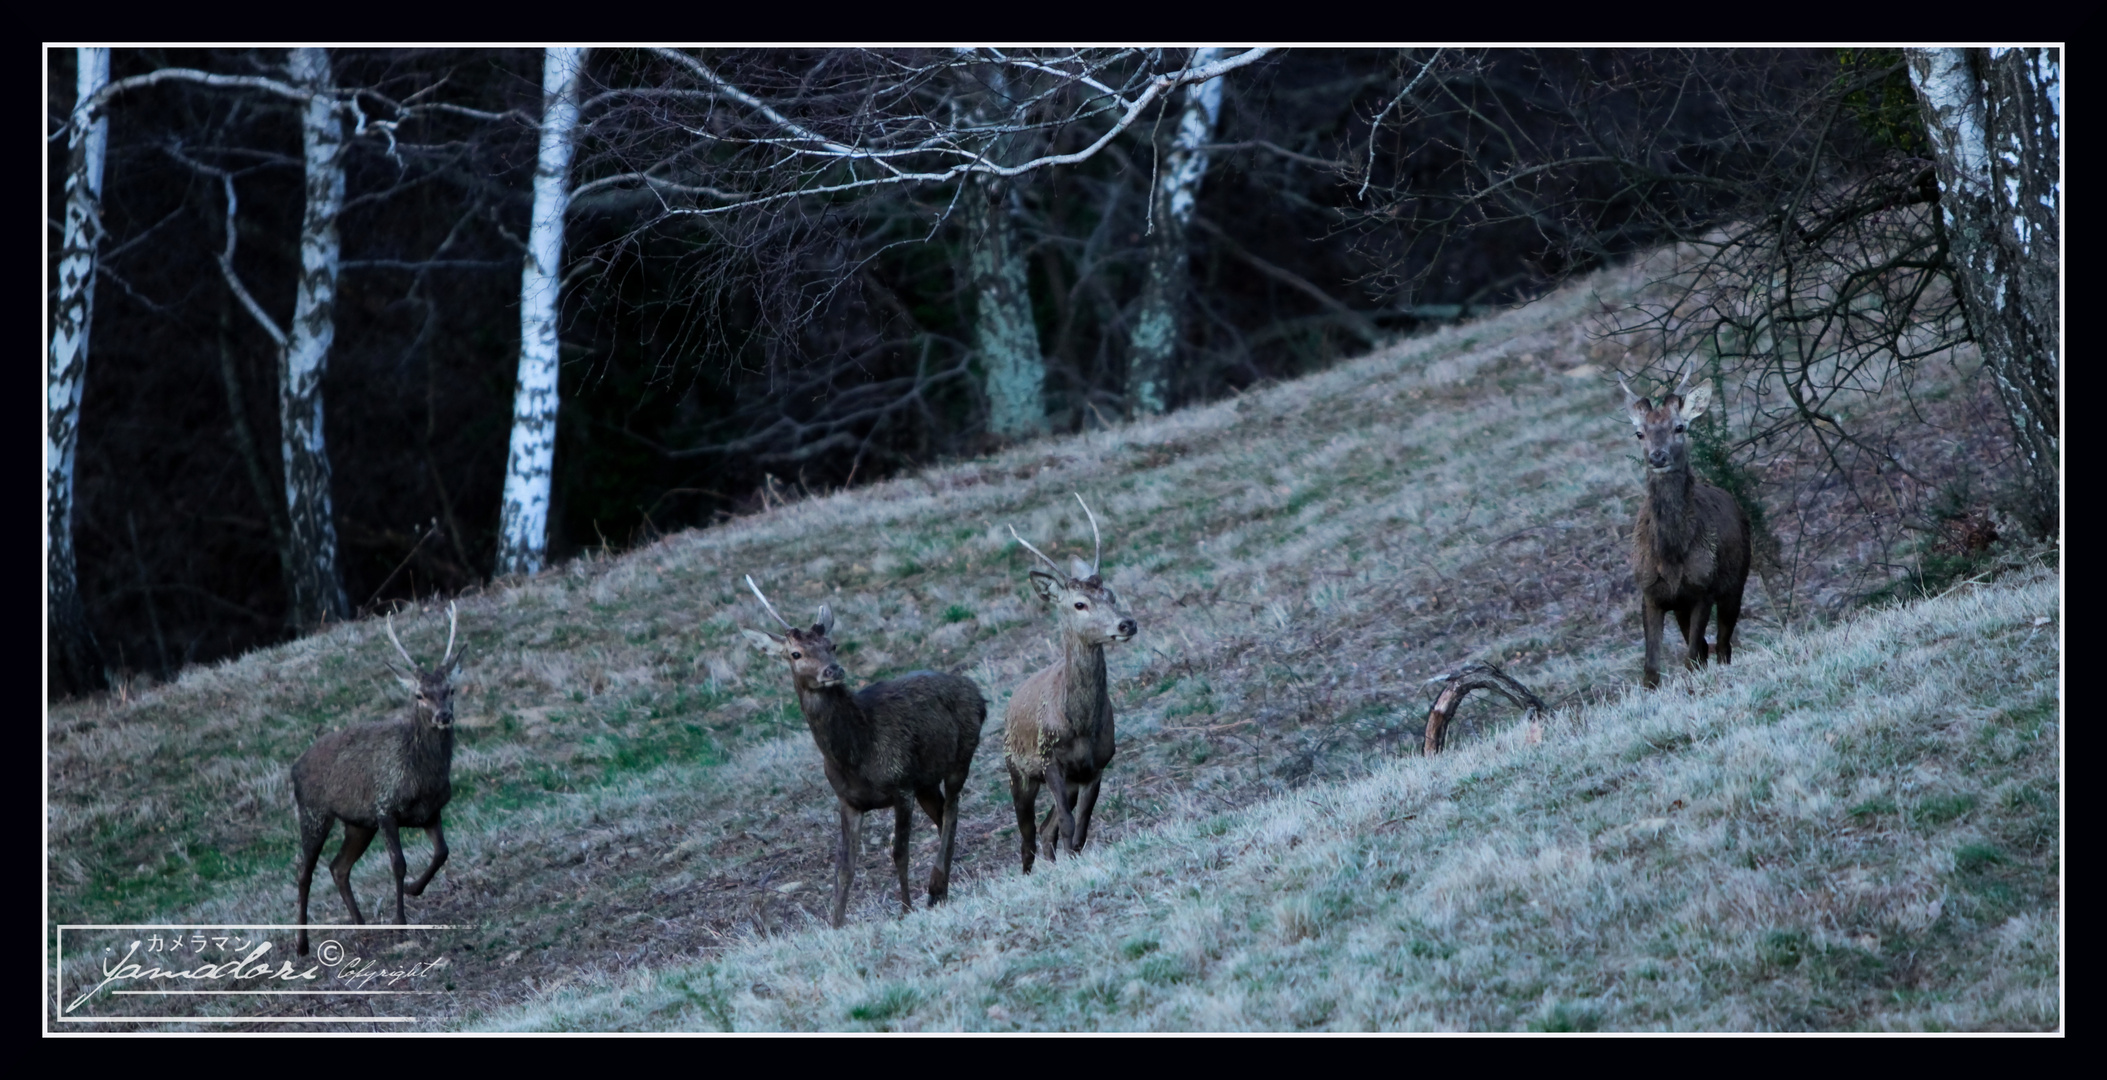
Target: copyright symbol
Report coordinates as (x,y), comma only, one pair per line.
(330,953)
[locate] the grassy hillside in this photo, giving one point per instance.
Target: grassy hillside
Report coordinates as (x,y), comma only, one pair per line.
(641,832)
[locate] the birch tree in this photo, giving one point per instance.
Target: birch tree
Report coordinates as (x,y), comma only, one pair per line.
(74,663)
(318,584)
(523,530)
(1004,332)
(1995,121)
(1154,344)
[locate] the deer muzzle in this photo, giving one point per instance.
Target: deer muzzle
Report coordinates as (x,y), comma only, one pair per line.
(832,675)
(1128,628)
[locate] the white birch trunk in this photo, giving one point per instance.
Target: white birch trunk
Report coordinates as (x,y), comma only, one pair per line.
(523,531)
(74,663)
(1153,346)
(318,587)
(1995,121)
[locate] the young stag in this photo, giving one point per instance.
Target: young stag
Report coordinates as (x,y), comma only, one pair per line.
(1058,730)
(381,777)
(1690,549)
(894,743)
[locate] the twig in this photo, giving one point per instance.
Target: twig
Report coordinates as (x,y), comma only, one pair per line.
(384,582)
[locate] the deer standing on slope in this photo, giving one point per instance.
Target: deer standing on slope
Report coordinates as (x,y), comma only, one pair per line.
(1690,548)
(895,743)
(381,777)
(1058,729)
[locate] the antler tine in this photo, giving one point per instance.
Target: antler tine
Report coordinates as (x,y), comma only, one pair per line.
(764,603)
(1097,542)
(452,624)
(398,643)
(1684,380)
(1050,564)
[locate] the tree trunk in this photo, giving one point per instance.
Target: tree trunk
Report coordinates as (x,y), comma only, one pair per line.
(1152,350)
(318,587)
(1003,330)
(73,662)
(523,534)
(1995,120)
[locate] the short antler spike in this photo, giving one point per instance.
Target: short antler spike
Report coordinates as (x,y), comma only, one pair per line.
(452,624)
(1050,564)
(1097,542)
(764,603)
(398,642)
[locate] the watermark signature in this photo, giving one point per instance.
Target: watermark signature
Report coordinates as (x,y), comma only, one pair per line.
(241,974)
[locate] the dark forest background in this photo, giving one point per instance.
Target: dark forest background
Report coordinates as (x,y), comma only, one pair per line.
(687,343)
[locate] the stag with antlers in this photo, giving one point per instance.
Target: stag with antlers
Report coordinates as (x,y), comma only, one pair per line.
(897,743)
(381,777)
(1058,730)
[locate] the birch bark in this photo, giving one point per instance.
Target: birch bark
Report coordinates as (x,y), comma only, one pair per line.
(1152,350)
(317,585)
(1995,121)
(73,661)
(1004,332)
(523,529)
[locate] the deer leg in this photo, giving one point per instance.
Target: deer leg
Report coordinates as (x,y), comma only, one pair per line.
(416,888)
(1082,815)
(1024,795)
(356,837)
(940,875)
(1650,615)
(845,860)
(903,822)
(1729,614)
(401,866)
(314,832)
(1057,786)
(1700,614)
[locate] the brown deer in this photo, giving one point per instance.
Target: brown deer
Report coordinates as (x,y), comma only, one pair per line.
(381,777)
(1690,548)
(895,743)
(1058,730)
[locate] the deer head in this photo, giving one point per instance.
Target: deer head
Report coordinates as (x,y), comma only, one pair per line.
(1088,608)
(1663,429)
(431,689)
(810,653)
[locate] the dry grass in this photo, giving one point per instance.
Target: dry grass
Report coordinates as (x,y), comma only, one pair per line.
(635,789)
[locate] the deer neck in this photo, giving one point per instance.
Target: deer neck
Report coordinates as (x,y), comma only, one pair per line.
(838,724)
(430,743)
(1670,498)
(1084,697)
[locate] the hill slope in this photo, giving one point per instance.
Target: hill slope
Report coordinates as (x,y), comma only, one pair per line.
(635,791)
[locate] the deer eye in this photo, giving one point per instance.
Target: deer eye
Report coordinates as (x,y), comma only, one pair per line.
(1680,428)
(1080,606)
(1640,435)
(797,656)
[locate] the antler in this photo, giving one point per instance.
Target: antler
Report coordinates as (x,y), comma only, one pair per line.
(1097,543)
(1684,380)
(452,624)
(764,603)
(398,643)
(1050,564)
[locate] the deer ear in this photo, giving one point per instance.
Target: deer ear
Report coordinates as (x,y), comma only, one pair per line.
(825,625)
(1695,401)
(1637,408)
(408,679)
(1044,584)
(766,644)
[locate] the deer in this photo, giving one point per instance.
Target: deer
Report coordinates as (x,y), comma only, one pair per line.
(899,743)
(1691,545)
(1058,729)
(381,777)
